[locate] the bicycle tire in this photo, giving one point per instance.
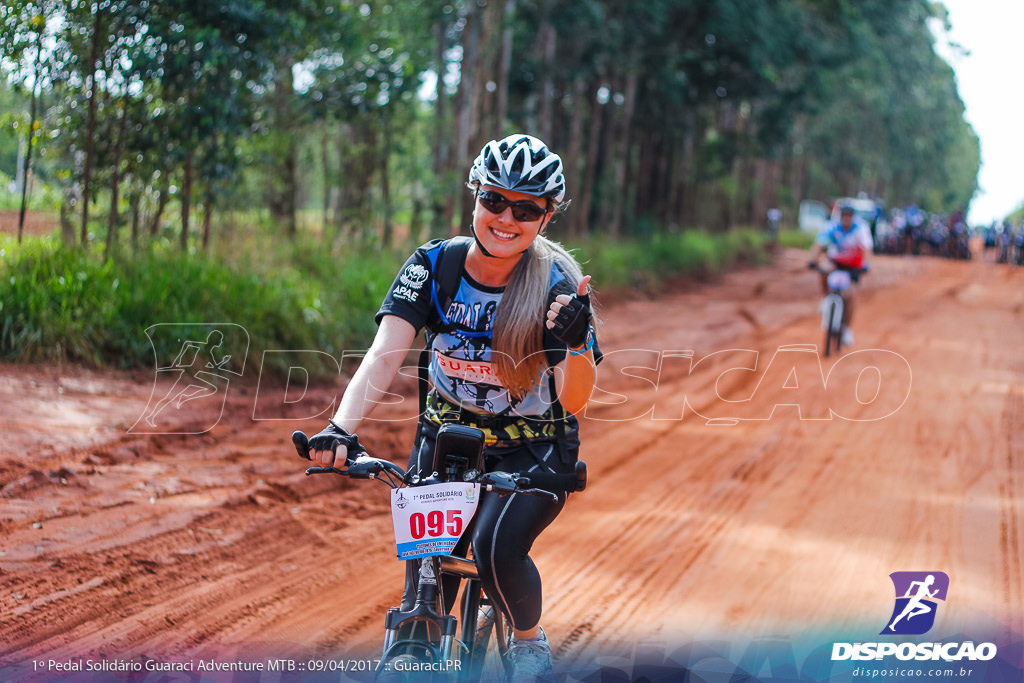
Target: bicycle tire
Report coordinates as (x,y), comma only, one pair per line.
(833,332)
(829,333)
(402,664)
(477,650)
(486,660)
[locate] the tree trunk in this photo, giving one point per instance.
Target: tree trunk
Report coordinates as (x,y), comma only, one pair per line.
(687,192)
(366,171)
(341,202)
(67,228)
(90,128)
(161,204)
(26,167)
(27,161)
(582,216)
(325,160)
(505,66)
(440,200)
(387,236)
(291,186)
(134,202)
(546,39)
(467,103)
(605,182)
(661,156)
(208,218)
(573,166)
(622,188)
(115,181)
(186,199)
(286,115)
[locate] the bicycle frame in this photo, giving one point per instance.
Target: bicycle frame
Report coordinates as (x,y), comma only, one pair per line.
(458,458)
(833,308)
(441,627)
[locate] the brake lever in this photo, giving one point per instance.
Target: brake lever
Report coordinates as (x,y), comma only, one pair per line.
(324,470)
(364,467)
(502,482)
(554,497)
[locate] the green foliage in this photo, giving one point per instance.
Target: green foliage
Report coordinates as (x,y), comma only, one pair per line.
(646,264)
(1017,216)
(54,303)
(69,304)
(667,113)
(61,303)
(796,239)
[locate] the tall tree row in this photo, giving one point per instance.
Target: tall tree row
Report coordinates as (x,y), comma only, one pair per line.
(672,113)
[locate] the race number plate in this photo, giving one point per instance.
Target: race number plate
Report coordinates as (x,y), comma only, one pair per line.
(429,520)
(839,279)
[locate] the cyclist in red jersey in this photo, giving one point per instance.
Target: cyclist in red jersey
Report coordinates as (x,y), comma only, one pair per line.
(846,243)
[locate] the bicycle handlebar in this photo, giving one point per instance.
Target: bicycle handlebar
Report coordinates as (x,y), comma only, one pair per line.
(533,483)
(814,265)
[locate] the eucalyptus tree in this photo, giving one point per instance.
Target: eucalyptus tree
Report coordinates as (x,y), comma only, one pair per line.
(211,61)
(890,120)
(25,28)
(364,81)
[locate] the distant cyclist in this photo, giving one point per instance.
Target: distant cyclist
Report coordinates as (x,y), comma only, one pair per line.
(846,243)
(773,217)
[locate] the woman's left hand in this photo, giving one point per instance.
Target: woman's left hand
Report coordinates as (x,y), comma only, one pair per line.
(569,316)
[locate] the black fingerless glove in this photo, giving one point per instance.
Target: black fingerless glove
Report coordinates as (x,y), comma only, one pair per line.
(331,437)
(573,321)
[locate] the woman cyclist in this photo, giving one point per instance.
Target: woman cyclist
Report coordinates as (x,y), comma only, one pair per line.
(513,353)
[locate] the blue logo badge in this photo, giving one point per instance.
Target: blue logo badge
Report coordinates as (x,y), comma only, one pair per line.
(917,596)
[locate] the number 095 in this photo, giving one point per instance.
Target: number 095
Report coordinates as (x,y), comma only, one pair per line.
(435,523)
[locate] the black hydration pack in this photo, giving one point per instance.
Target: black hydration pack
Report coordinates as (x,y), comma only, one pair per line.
(445,275)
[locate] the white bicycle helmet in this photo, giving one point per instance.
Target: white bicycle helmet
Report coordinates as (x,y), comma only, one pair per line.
(521,163)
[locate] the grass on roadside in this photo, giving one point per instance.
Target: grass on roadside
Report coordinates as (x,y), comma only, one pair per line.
(74,304)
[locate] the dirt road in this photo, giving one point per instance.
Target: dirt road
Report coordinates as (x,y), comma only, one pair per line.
(742,491)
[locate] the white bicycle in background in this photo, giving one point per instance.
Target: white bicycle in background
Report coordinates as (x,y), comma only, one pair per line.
(833,306)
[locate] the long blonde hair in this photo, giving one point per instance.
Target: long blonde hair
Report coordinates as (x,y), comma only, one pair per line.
(518,350)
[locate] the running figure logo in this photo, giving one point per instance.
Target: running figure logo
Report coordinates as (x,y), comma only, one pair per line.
(198,375)
(917,596)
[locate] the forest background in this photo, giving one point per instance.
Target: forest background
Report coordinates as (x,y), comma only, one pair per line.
(270,163)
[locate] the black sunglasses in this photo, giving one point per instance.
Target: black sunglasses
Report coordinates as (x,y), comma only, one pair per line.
(496,203)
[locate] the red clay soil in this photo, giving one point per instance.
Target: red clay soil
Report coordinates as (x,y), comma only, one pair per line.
(35,223)
(749,489)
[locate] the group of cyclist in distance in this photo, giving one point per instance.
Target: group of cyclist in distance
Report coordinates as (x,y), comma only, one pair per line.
(1006,240)
(912,231)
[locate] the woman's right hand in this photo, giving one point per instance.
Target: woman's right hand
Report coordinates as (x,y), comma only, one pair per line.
(330,448)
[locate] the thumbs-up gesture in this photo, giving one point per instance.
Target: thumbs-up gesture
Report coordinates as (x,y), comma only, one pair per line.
(569,316)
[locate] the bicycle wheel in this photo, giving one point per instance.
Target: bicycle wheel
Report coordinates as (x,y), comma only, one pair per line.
(485,659)
(834,324)
(411,660)
(830,334)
